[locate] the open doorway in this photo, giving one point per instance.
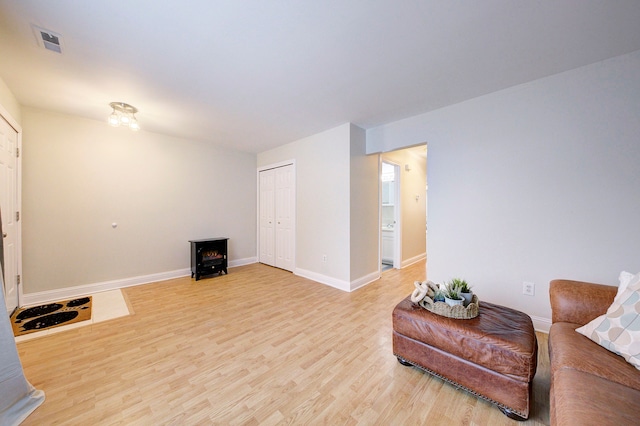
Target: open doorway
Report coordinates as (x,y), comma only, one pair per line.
(390,217)
(403,207)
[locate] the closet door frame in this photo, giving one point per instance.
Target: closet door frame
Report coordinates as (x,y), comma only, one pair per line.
(293,209)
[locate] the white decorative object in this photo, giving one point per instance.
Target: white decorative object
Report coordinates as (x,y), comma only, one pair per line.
(453,302)
(467,297)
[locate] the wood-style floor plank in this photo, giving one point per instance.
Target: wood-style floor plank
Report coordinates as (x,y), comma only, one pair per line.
(259,346)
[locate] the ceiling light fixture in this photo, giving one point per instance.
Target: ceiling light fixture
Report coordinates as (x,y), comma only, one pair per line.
(123,115)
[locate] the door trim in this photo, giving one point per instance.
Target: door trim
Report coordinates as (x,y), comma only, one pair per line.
(14,124)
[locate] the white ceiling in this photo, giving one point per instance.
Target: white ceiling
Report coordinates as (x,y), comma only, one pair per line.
(254,74)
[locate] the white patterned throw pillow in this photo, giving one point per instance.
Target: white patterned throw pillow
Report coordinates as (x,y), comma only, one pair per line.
(624,278)
(619,329)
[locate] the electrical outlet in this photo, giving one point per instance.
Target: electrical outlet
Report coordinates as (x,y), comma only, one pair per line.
(528,288)
(324,257)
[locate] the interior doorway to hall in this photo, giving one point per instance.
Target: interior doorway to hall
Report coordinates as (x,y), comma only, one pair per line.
(390,221)
(403,207)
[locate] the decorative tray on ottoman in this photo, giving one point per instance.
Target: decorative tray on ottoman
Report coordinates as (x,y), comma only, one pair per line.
(457,311)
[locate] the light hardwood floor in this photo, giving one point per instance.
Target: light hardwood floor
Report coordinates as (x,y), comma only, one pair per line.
(257,346)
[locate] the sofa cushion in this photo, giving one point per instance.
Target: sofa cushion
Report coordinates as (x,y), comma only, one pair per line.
(618,330)
(583,399)
(572,350)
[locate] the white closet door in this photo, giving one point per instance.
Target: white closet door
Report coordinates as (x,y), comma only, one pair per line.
(8,206)
(277,217)
(266,220)
(284,203)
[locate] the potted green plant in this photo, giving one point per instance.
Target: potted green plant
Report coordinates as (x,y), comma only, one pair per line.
(465,289)
(439,294)
(452,294)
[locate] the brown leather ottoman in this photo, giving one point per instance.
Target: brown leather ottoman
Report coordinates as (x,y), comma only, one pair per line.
(493,356)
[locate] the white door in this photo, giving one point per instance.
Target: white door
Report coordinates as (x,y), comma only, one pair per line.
(266,220)
(8,209)
(276,220)
(284,217)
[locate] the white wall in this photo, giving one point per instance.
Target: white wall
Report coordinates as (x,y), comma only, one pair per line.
(80,176)
(322,202)
(364,229)
(336,206)
(536,182)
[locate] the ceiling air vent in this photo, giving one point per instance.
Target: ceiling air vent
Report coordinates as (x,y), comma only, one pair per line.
(48,39)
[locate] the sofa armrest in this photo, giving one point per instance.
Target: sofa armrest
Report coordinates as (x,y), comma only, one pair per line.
(579,302)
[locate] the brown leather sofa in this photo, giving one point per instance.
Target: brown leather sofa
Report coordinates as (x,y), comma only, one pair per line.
(589,384)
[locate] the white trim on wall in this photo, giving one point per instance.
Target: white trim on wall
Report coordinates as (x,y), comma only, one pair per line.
(84,290)
(9,118)
(276,165)
(541,324)
(323,279)
(336,283)
(363,281)
(415,259)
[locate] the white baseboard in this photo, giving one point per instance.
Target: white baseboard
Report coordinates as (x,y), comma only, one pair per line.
(541,324)
(242,262)
(336,283)
(323,279)
(414,259)
(363,281)
(85,290)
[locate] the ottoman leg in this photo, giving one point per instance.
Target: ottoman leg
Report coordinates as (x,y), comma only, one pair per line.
(511,414)
(504,410)
(403,362)
(505,391)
